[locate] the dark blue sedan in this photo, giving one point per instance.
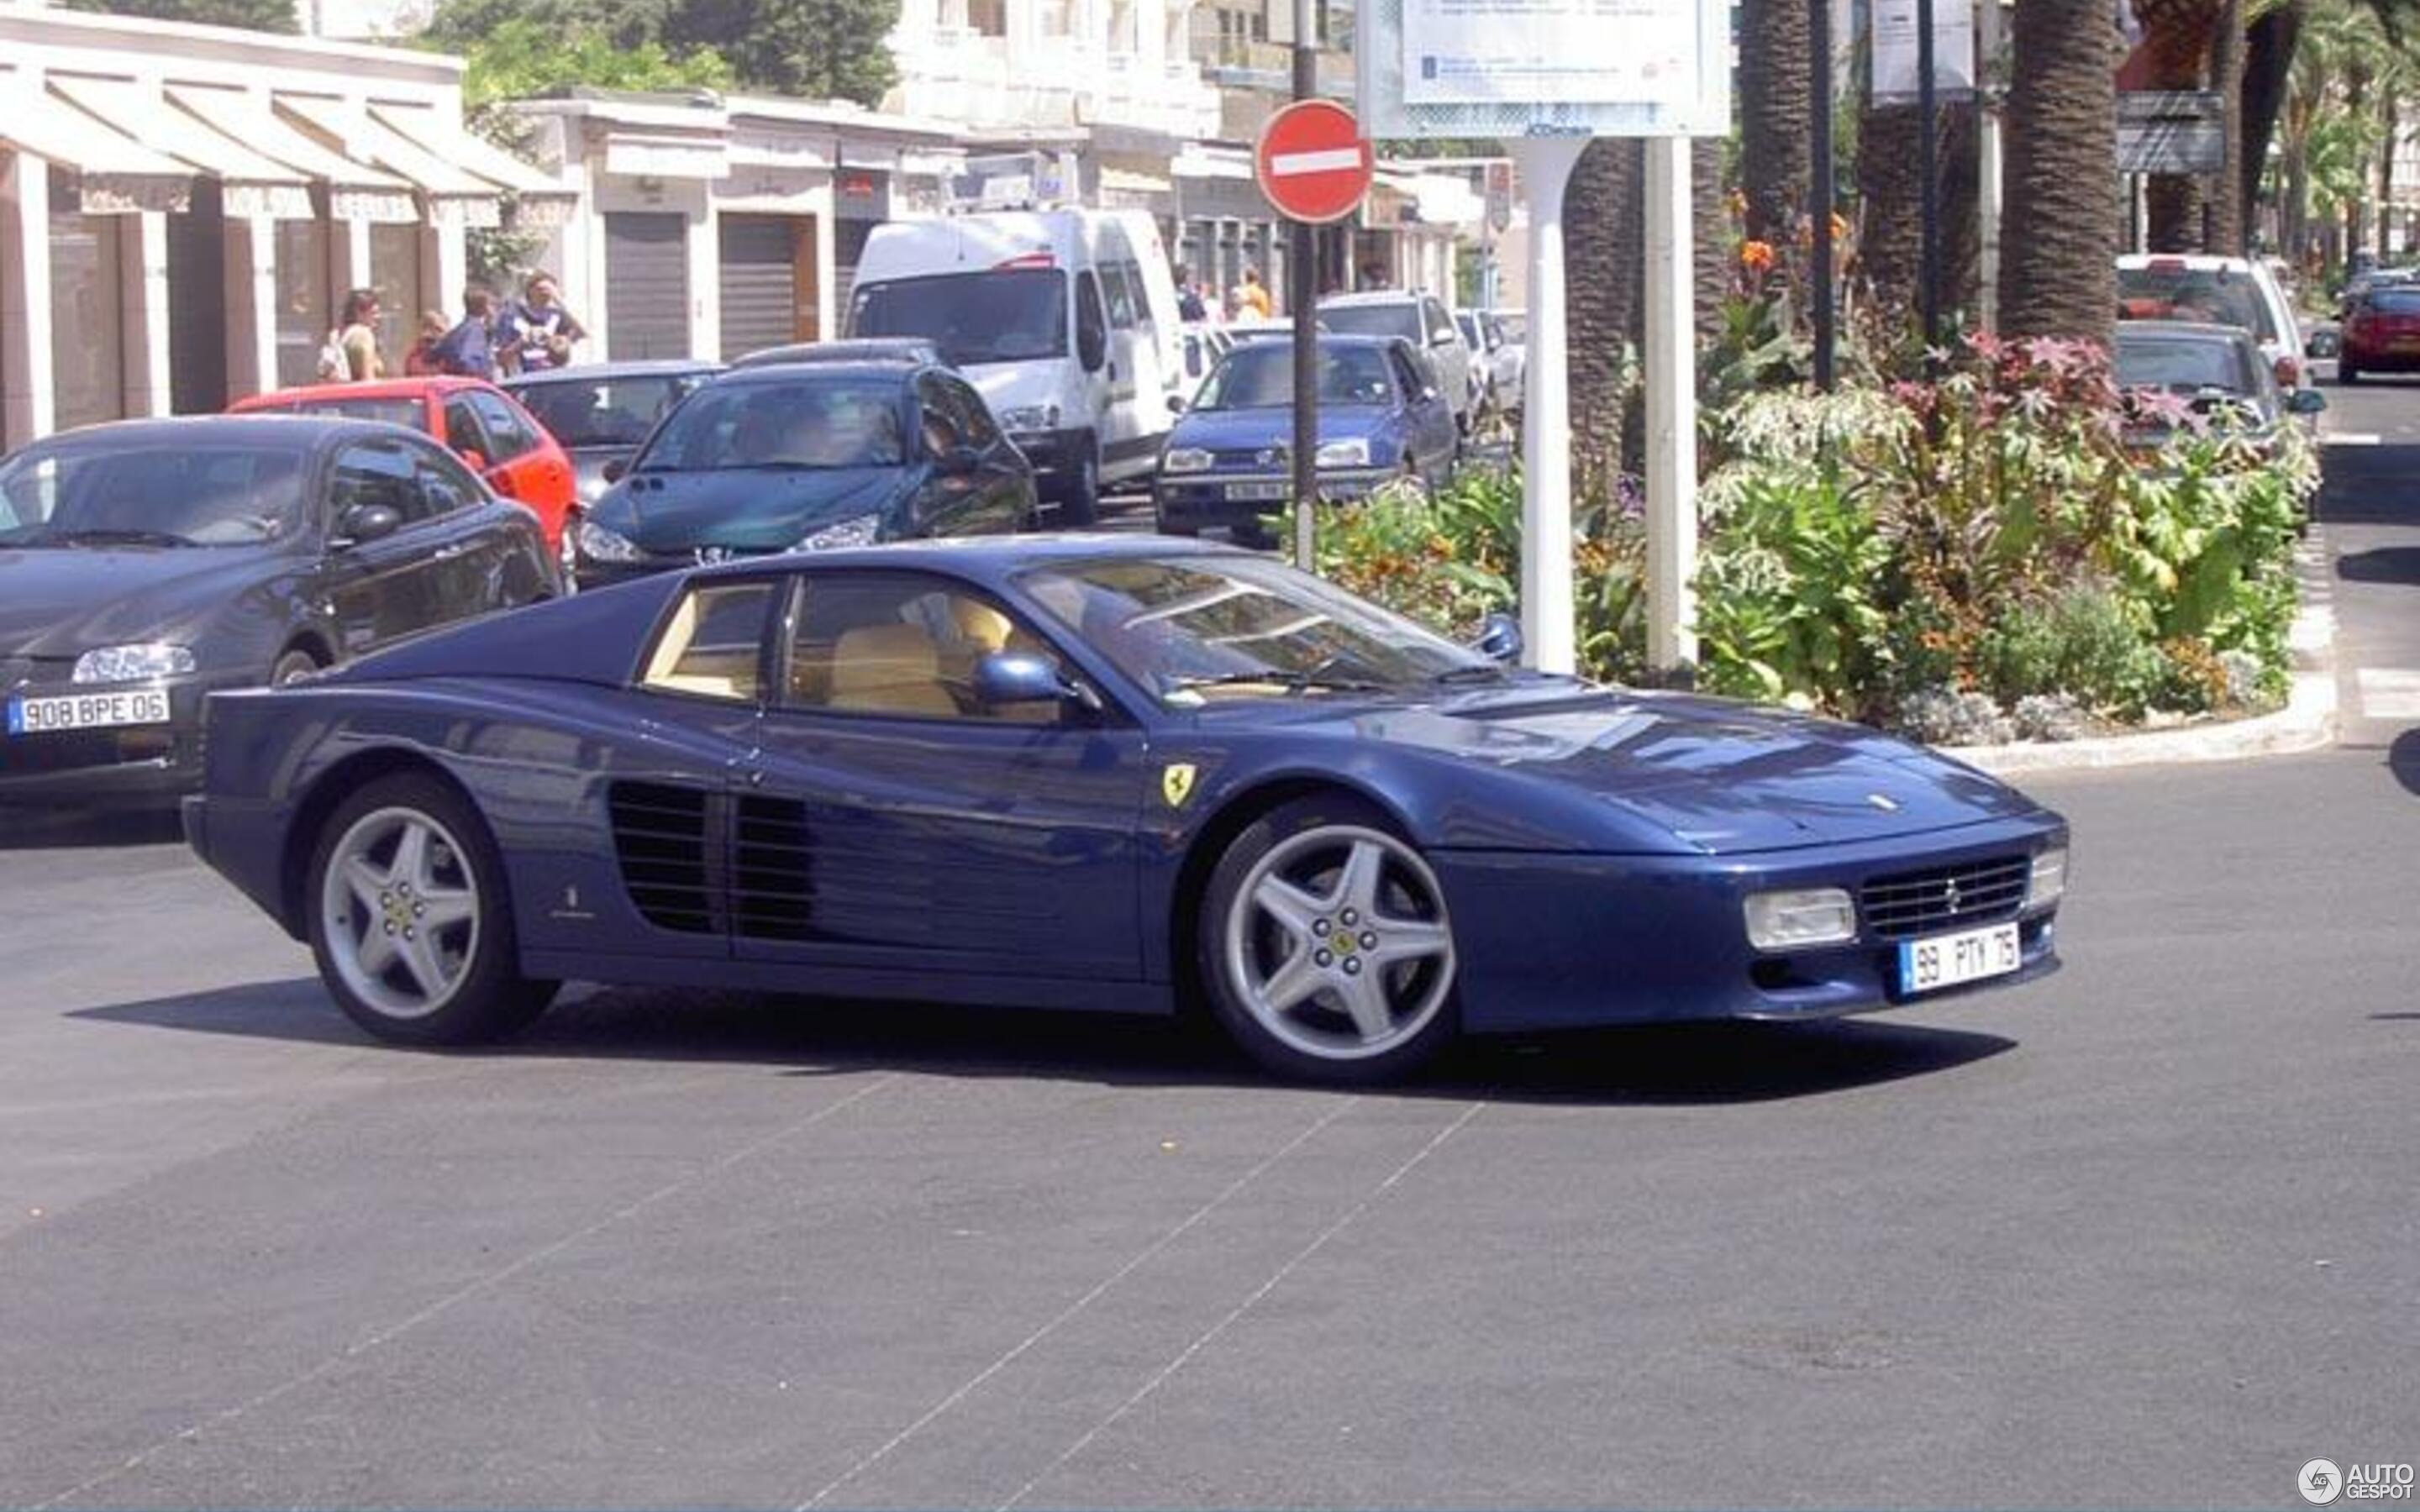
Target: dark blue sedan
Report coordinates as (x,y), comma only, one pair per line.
(1228,462)
(1090,773)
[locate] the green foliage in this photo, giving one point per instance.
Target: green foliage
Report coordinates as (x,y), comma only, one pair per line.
(817,49)
(814,49)
(252,15)
(1788,592)
(2082,642)
(522,58)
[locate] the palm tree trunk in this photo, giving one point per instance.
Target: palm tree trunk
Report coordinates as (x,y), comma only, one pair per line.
(1890,241)
(1710,218)
(2062,172)
(1776,117)
(2268,67)
(2224,212)
(2386,174)
(1605,206)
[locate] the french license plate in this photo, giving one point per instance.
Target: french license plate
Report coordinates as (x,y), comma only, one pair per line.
(1258,492)
(1946,960)
(87,711)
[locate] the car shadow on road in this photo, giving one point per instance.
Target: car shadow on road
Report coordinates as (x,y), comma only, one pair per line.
(1689,1064)
(2385,565)
(69,829)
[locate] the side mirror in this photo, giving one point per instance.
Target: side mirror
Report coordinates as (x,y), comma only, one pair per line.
(1176,404)
(1008,677)
(2307,401)
(617,469)
(364,523)
(1092,347)
(1499,639)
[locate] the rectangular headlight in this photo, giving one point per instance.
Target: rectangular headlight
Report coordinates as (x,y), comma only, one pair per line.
(132,664)
(2047,882)
(1185,459)
(1345,454)
(1802,920)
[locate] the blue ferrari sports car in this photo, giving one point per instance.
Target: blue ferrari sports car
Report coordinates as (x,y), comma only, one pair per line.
(1085,772)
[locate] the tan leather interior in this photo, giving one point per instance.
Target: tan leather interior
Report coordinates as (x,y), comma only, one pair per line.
(664,667)
(979,623)
(889,669)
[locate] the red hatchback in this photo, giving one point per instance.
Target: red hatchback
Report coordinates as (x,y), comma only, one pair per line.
(478,421)
(2381,332)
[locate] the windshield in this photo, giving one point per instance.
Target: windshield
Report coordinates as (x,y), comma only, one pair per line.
(2395,300)
(1261,377)
(1393,319)
(799,423)
(2181,364)
(1005,316)
(2171,293)
(605,411)
(156,493)
(1195,628)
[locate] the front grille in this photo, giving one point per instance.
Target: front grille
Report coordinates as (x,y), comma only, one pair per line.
(663,838)
(1267,459)
(771,881)
(15,671)
(1909,903)
(66,751)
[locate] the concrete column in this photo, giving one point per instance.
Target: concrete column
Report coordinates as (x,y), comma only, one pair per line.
(705,247)
(1672,361)
(28,411)
(349,263)
(1547,612)
(445,269)
(828,311)
(144,246)
(251,305)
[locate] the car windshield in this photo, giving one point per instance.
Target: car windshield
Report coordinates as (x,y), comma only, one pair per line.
(152,493)
(1471,329)
(1016,315)
(613,411)
(2385,300)
(2181,365)
(1261,377)
(1197,628)
(1394,319)
(837,422)
(2218,295)
(407,412)
(1516,328)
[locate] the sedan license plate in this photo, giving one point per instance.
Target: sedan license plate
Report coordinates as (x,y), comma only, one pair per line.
(1946,960)
(1258,492)
(87,711)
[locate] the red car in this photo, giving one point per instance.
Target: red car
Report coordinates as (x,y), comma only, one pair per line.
(2381,332)
(478,421)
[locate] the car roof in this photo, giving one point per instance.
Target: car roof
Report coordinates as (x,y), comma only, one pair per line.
(983,556)
(593,372)
(303,431)
(917,349)
(2199,330)
(1375,296)
(861,367)
(2198,262)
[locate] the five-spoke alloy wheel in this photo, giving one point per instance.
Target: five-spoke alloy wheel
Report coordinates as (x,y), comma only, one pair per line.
(1325,946)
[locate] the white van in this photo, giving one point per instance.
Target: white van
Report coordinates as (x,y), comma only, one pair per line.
(1066,319)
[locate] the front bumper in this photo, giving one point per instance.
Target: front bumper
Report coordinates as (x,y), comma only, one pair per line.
(1196,500)
(145,765)
(1057,455)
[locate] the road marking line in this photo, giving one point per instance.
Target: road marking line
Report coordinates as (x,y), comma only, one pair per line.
(2389,692)
(1327,160)
(2353,438)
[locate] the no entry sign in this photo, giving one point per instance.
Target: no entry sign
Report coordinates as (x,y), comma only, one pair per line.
(1311,162)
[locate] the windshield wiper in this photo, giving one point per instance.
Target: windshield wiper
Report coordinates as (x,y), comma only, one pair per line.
(1477,673)
(1291,681)
(119,538)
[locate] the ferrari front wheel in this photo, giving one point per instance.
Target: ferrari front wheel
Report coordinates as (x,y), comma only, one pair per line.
(409,919)
(1325,948)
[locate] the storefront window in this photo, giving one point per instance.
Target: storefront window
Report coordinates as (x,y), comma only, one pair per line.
(87,315)
(395,273)
(306,314)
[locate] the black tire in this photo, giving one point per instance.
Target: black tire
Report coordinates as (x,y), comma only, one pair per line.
(484,997)
(1246,955)
(1079,496)
(293,664)
(2346,374)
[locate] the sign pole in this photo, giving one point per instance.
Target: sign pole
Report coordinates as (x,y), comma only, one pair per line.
(1928,170)
(1546,164)
(1819,191)
(1302,295)
(1672,412)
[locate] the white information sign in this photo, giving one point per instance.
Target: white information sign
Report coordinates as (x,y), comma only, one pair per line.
(1551,52)
(1896,77)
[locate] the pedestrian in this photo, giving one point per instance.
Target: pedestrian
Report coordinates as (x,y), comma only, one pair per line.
(468,350)
(350,353)
(1189,299)
(421,362)
(1255,298)
(538,333)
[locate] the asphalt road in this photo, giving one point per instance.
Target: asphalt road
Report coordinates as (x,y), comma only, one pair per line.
(2147,1234)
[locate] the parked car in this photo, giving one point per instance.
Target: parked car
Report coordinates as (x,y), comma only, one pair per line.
(1419,319)
(1104,773)
(1203,345)
(804,457)
(2381,333)
(2233,291)
(149,564)
(494,436)
(599,412)
(2214,373)
(1497,363)
(1229,462)
(1066,319)
(871,350)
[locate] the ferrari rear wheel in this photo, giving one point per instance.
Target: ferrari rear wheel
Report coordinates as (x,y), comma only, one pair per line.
(411,920)
(1325,948)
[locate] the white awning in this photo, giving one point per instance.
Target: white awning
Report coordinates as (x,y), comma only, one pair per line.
(633,155)
(454,196)
(250,183)
(116,173)
(539,199)
(356,192)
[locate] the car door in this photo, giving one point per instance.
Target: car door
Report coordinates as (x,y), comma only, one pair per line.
(380,589)
(1446,349)
(480,549)
(893,823)
(1428,420)
(526,463)
(999,484)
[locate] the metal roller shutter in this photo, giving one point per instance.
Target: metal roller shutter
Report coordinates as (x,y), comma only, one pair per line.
(647,285)
(197,305)
(760,277)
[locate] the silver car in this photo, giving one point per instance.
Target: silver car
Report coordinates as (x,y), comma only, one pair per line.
(1419,319)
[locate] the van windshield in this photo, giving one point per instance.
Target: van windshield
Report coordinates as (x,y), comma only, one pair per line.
(1002,315)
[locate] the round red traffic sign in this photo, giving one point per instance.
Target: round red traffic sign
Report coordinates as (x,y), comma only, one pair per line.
(1311,162)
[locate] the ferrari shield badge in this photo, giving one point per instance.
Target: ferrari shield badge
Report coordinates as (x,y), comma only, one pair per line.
(1176,783)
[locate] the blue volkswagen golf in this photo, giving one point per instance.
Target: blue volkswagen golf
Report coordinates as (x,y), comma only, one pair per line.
(1228,460)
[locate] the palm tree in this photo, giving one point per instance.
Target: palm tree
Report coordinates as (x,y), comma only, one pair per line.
(1777,94)
(2177,36)
(1605,220)
(2062,172)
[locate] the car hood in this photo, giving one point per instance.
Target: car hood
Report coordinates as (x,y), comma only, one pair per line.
(589,465)
(64,601)
(1227,430)
(1718,775)
(746,510)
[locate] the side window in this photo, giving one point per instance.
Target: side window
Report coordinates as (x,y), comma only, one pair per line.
(445,484)
(1120,295)
(1092,326)
(937,416)
(713,643)
(902,645)
(510,434)
(974,414)
(463,432)
(1142,293)
(1440,323)
(377,472)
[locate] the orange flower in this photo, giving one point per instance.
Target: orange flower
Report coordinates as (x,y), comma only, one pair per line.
(1756,257)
